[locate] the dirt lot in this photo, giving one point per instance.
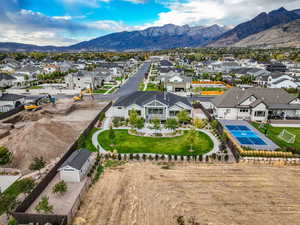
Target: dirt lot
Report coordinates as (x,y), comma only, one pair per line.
(146,194)
(47,132)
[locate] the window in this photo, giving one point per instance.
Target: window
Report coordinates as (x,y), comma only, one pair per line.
(228,111)
(173,113)
(243,110)
(119,107)
(68,170)
(138,112)
(259,113)
(155,111)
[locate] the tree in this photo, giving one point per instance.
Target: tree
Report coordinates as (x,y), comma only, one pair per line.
(198,123)
(171,124)
(12,221)
(44,205)
(140,123)
(191,138)
(5,155)
(8,203)
(155,124)
(37,164)
(27,185)
(111,135)
(183,116)
(214,124)
(61,187)
(133,117)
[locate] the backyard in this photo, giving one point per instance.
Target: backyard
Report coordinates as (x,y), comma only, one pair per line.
(273,133)
(126,143)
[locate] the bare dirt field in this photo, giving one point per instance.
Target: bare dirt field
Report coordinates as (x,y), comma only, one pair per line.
(47,132)
(193,194)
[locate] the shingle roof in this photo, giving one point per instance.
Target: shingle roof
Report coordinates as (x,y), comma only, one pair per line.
(235,96)
(4,76)
(10,97)
(77,159)
(143,97)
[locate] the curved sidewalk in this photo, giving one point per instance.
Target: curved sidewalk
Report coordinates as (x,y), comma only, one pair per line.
(95,142)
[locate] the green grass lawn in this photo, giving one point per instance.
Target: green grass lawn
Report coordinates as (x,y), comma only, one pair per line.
(126,143)
(273,133)
(197,89)
(141,86)
(152,87)
(35,87)
(12,193)
(99,91)
(87,141)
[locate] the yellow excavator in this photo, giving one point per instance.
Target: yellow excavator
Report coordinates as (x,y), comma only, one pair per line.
(82,92)
(38,104)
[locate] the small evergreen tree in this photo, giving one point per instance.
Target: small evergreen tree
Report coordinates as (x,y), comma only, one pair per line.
(183,117)
(61,187)
(171,124)
(44,206)
(191,138)
(5,155)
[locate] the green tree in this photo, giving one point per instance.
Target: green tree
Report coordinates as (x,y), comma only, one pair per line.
(37,164)
(44,206)
(133,117)
(111,135)
(155,124)
(7,204)
(191,138)
(171,124)
(5,155)
(183,117)
(61,187)
(27,185)
(198,123)
(12,221)
(214,124)
(140,123)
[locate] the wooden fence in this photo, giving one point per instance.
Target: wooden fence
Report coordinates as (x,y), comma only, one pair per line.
(20,213)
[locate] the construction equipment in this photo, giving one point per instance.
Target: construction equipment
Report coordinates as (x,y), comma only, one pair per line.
(32,107)
(82,92)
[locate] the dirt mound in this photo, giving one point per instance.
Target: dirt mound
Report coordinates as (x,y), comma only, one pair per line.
(42,138)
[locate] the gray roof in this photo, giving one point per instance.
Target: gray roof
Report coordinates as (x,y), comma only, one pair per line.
(143,97)
(77,159)
(4,76)
(235,96)
(10,97)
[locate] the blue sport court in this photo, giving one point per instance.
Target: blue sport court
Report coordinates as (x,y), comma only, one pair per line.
(244,135)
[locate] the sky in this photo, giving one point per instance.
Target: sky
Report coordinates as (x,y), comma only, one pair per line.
(66,22)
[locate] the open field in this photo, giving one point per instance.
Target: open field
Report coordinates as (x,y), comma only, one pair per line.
(273,133)
(127,143)
(199,194)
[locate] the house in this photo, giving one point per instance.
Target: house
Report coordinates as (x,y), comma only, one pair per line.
(6,80)
(178,83)
(276,67)
(75,168)
(277,80)
(10,101)
(256,104)
(151,104)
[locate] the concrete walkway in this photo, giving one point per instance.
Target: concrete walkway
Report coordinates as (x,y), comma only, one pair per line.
(106,125)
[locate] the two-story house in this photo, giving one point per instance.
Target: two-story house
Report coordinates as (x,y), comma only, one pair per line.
(256,104)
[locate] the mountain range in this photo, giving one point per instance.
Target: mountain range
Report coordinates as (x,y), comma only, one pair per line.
(266,29)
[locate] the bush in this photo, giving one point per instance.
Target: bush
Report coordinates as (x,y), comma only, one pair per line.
(5,155)
(44,206)
(60,187)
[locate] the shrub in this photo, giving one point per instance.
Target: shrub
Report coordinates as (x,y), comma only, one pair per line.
(198,123)
(5,155)
(44,205)
(61,187)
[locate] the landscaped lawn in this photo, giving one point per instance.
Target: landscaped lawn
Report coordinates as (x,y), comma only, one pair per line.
(152,87)
(35,87)
(197,89)
(273,133)
(100,91)
(126,143)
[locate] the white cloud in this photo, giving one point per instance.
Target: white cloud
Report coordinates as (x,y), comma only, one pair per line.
(207,12)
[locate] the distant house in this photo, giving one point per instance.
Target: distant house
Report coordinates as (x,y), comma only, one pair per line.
(256,104)
(165,63)
(6,80)
(277,80)
(10,101)
(276,67)
(178,83)
(75,168)
(151,104)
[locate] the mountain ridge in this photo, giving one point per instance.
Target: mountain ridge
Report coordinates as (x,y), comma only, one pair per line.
(261,22)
